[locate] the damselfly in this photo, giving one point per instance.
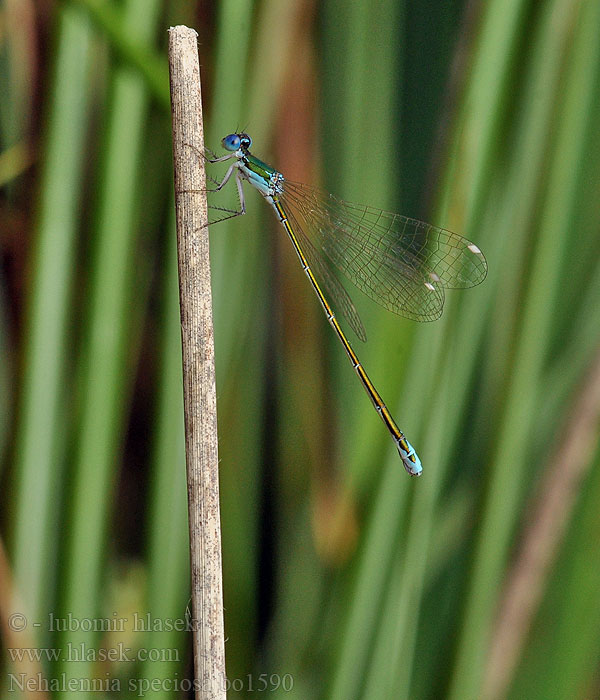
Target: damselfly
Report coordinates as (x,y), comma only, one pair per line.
(401,263)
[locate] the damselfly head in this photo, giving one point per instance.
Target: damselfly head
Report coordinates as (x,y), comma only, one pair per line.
(233,142)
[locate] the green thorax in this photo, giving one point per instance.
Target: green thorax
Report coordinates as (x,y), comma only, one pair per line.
(259,167)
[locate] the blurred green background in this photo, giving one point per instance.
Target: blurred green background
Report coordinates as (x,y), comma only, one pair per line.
(343,578)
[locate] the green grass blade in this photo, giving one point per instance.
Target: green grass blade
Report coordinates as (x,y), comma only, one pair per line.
(132,46)
(168,553)
(110,330)
(42,430)
(510,463)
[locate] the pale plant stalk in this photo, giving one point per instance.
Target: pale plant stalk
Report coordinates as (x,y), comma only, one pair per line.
(199,391)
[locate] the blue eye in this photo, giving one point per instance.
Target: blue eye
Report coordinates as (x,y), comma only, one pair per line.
(231,142)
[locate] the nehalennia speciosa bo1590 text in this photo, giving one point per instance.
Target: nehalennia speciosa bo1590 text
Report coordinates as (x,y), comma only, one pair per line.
(401,263)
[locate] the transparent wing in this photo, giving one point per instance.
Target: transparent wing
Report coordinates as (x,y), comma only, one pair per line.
(401,263)
(338,297)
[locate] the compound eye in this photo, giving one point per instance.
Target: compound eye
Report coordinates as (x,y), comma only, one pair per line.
(231,142)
